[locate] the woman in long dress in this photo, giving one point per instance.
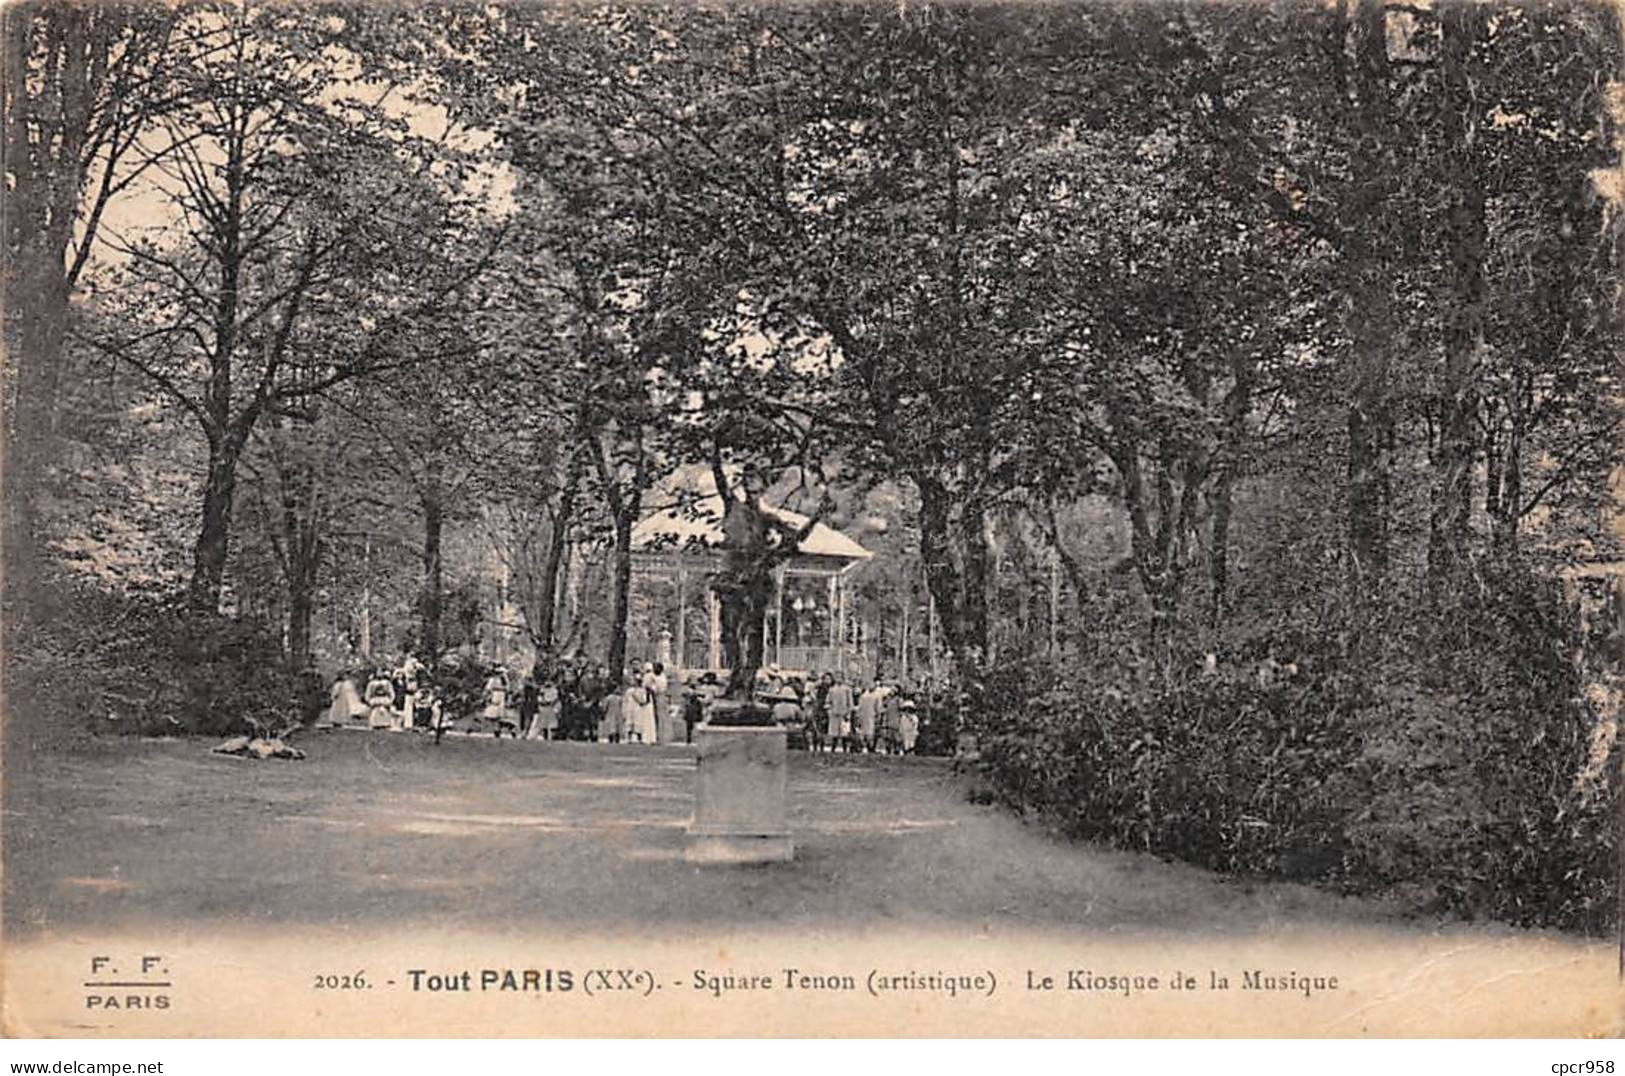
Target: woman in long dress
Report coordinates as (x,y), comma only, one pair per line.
(346,704)
(890,732)
(839,707)
(658,683)
(868,713)
(496,699)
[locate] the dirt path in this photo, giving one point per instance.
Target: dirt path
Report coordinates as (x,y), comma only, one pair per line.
(381,829)
(259,882)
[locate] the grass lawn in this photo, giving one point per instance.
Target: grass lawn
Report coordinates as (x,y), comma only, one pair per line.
(375,829)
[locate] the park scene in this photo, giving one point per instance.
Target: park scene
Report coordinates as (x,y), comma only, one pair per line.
(1104,467)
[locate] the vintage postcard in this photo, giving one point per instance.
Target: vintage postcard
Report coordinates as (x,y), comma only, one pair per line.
(883,519)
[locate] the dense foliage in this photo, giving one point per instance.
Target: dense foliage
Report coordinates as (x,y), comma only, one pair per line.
(1445,765)
(116,665)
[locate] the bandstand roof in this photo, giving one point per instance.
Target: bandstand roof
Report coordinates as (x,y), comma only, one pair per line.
(701,524)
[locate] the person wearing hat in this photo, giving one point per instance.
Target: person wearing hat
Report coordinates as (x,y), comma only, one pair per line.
(546,723)
(592,685)
(868,716)
(659,685)
(908,724)
(346,701)
(890,732)
(839,706)
(693,709)
(705,691)
(380,698)
(638,709)
(815,703)
(576,716)
(496,701)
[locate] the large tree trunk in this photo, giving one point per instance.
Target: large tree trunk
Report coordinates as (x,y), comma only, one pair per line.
(226,437)
(36,348)
(1159,537)
(214,536)
(558,541)
(625,507)
(1506,477)
(1219,546)
(1457,450)
(301,611)
(1370,470)
(1370,316)
(622,600)
(977,575)
(45,130)
(957,586)
(432,605)
(1238,401)
(302,523)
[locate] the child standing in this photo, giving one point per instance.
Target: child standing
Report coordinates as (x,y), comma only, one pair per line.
(546,721)
(638,711)
(609,718)
(380,698)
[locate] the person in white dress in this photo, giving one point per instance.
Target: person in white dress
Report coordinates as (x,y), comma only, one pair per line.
(546,720)
(638,711)
(380,700)
(496,700)
(658,683)
(867,718)
(346,704)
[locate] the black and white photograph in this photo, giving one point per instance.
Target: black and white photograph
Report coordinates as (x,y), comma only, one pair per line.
(813,519)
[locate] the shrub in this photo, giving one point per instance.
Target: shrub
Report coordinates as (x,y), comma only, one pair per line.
(1468,790)
(1222,772)
(105,663)
(1450,759)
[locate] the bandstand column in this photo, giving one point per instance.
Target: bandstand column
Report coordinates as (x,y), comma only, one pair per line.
(682,621)
(840,624)
(902,649)
(834,620)
(713,607)
(778,617)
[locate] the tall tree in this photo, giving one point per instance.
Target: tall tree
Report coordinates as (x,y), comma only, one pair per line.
(83,87)
(1463,28)
(1363,78)
(288,198)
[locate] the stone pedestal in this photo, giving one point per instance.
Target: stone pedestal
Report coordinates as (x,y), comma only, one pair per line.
(739,796)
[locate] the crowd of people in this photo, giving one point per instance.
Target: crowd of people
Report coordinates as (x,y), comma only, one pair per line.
(838,714)
(393,699)
(575,700)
